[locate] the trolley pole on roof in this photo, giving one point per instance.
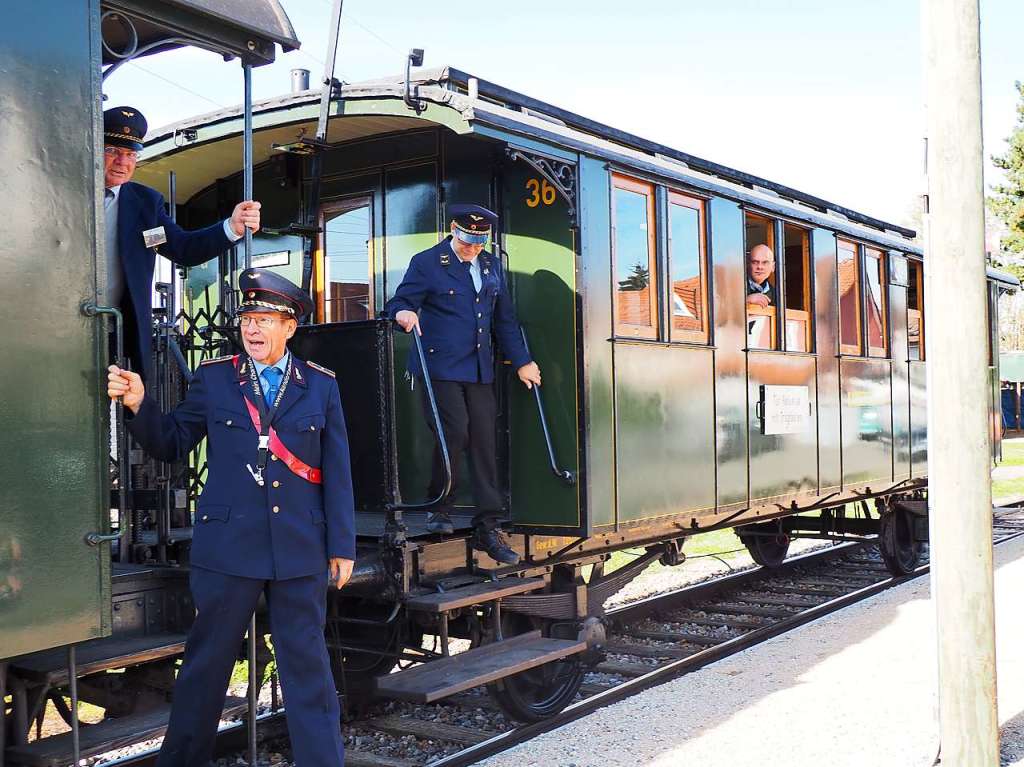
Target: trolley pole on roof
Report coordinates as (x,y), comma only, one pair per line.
(959,453)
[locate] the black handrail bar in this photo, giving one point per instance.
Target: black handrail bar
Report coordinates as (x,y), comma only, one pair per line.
(563,474)
(438,431)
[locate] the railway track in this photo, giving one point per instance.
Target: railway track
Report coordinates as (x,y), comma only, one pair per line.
(649,642)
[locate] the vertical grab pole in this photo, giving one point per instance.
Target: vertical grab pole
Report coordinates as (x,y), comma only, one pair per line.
(253,691)
(76,746)
(959,445)
(247,159)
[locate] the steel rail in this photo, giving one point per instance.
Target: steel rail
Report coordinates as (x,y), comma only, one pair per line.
(678,668)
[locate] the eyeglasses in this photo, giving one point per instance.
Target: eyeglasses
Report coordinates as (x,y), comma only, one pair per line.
(125,154)
(261,322)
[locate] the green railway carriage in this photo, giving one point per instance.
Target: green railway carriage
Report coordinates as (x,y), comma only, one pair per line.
(670,405)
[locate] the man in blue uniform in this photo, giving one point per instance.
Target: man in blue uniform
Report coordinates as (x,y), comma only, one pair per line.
(454,295)
(275,518)
(132,211)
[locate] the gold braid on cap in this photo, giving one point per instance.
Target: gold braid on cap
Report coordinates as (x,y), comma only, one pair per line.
(462,228)
(268,305)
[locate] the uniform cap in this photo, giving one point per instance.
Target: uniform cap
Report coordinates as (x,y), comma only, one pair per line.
(124,127)
(264,291)
(472,222)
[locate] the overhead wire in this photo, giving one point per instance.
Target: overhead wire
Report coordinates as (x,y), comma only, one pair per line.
(177,85)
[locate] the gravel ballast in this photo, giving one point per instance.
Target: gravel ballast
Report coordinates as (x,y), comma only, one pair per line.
(854,688)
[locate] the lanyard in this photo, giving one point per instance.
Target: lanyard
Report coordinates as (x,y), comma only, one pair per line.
(266,415)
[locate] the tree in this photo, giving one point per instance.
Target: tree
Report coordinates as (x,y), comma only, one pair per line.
(638,280)
(1007,200)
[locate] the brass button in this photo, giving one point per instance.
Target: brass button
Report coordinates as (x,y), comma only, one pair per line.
(228,422)
(479,330)
(276,509)
(312,428)
(430,350)
(479,315)
(205,517)
(478,300)
(273,458)
(276,483)
(451,292)
(478,346)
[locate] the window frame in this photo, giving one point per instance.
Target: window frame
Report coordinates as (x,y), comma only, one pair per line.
(328,210)
(625,330)
(882,260)
(772,311)
(698,204)
(916,272)
(808,313)
(848,349)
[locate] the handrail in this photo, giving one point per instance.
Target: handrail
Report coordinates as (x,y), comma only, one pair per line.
(90,309)
(438,431)
(563,474)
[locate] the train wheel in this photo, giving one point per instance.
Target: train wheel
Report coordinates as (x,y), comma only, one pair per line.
(900,551)
(768,547)
(537,693)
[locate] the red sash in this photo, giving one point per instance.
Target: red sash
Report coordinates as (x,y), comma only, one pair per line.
(277,447)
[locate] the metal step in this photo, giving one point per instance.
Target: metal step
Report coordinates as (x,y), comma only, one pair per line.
(474,594)
(56,751)
(51,666)
(438,679)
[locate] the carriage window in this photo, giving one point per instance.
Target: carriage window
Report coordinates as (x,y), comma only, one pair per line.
(760,286)
(875,303)
(345,266)
(849,298)
(796,248)
(688,300)
(636,287)
(915,310)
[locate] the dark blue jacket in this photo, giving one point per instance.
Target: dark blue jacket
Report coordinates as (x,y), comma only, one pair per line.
(457,322)
(290,526)
(140,208)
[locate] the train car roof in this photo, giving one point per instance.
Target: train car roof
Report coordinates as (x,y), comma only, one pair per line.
(499,113)
(247,29)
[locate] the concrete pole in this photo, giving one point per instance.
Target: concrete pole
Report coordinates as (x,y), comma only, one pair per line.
(960,493)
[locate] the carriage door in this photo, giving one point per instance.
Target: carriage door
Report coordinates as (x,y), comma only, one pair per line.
(541,269)
(781,360)
(54,588)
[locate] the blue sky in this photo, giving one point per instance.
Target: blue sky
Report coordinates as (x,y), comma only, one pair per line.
(823,96)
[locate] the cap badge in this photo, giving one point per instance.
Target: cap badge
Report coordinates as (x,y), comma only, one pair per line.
(252,294)
(126,129)
(126,113)
(475,217)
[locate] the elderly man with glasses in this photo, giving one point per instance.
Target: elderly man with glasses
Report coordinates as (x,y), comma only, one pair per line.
(275,518)
(137,226)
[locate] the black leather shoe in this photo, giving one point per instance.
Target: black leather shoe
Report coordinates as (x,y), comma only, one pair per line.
(439,522)
(495,545)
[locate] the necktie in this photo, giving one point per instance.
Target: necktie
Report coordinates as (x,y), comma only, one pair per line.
(108,198)
(273,378)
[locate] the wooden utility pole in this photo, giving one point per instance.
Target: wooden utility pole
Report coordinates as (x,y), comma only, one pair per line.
(959,454)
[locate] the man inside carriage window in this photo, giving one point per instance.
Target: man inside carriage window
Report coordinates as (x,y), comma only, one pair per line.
(760,268)
(137,226)
(454,295)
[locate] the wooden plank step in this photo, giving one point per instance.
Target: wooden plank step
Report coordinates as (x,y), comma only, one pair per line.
(97,655)
(108,735)
(355,758)
(440,678)
(474,594)
(399,725)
